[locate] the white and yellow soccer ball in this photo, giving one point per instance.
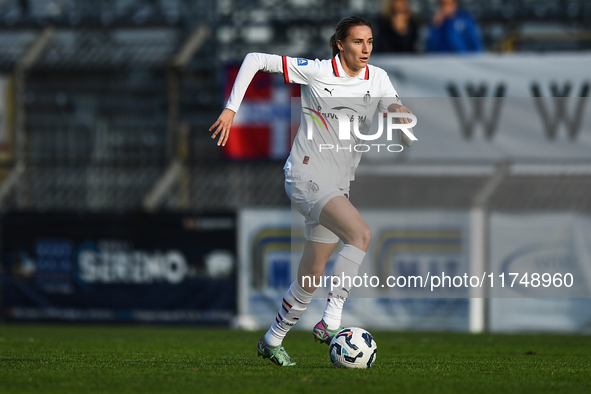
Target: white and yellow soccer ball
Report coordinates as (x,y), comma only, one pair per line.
(353,347)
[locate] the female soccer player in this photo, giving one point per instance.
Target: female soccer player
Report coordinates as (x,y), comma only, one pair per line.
(317,180)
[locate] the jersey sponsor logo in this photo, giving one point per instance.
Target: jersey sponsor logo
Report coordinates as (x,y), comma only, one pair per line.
(343,107)
(329,115)
(349,121)
(360,119)
(317,116)
(302,62)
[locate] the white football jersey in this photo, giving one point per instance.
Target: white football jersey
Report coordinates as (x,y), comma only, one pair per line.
(327,92)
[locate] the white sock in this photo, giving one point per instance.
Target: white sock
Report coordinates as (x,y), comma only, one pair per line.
(346,265)
(293,305)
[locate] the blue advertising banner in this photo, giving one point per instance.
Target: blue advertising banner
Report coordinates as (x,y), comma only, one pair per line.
(163,268)
(405,244)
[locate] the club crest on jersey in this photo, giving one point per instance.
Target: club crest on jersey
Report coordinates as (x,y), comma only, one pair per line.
(302,62)
(366,98)
(314,187)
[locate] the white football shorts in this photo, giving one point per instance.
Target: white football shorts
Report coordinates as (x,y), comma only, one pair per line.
(309,192)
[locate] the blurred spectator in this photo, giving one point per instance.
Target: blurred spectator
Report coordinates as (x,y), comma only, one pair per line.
(453,30)
(398,28)
(24,5)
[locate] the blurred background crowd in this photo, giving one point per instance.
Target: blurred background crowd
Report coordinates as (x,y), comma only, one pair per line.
(108,92)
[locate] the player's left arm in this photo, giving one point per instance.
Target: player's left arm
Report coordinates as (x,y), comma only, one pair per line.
(390,102)
(402,136)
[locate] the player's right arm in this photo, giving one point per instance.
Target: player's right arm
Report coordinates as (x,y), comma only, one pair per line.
(253,63)
(222,126)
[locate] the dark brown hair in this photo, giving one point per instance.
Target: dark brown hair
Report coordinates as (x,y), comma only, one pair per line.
(342,31)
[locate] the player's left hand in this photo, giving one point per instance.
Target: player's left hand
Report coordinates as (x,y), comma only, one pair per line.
(402,136)
(222,126)
(400,108)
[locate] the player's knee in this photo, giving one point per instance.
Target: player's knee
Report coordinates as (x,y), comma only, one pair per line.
(366,237)
(362,237)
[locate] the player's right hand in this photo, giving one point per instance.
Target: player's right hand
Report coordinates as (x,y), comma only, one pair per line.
(222,126)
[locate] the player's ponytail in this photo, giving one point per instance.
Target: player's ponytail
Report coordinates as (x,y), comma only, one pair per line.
(342,31)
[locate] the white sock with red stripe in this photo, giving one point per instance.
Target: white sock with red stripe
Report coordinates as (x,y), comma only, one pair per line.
(293,305)
(346,266)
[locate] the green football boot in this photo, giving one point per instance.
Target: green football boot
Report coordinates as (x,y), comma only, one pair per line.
(323,334)
(278,355)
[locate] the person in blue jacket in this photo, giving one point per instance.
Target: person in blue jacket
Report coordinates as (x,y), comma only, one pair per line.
(453,30)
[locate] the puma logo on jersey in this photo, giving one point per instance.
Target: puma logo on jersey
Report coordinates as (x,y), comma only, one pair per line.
(329,91)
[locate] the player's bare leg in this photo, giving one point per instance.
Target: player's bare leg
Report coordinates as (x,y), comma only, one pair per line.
(343,219)
(312,264)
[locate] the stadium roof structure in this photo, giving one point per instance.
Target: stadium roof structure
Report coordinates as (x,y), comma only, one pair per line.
(13,43)
(137,48)
(85,13)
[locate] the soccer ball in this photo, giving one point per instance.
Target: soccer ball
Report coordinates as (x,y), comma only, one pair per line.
(353,347)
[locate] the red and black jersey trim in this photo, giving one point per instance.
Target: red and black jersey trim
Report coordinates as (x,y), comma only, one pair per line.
(335,67)
(285,71)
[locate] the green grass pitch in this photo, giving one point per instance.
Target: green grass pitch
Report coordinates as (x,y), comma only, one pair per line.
(80,359)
